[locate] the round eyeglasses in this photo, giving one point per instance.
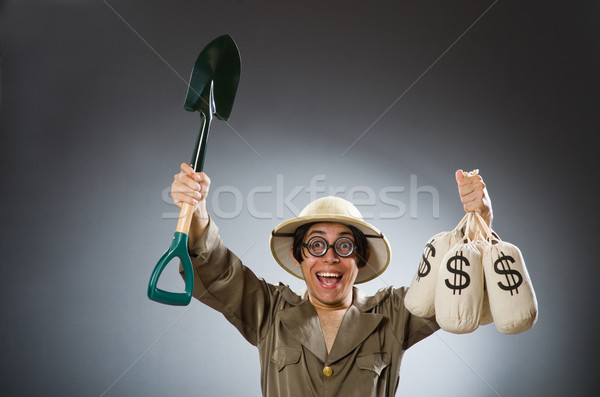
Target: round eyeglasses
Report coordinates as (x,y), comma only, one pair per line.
(317,246)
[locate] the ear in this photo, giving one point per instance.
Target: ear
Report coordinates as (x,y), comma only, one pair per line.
(293,257)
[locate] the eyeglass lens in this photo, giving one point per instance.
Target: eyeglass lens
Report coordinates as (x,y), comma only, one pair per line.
(343,246)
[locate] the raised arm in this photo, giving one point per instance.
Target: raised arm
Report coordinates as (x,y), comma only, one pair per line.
(221,281)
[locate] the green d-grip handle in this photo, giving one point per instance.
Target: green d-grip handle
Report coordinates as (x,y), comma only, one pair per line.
(179,249)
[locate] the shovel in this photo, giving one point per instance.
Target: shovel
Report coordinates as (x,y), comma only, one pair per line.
(211,92)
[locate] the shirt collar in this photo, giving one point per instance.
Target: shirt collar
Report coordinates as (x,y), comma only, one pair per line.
(362,301)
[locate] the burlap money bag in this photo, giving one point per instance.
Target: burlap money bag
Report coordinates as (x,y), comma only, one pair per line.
(486,313)
(420,297)
(459,289)
(512,299)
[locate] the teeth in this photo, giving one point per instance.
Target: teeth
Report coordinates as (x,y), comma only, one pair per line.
(328,275)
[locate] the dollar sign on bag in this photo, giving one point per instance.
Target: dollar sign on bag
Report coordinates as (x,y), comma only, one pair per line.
(461,278)
(425,266)
(510,274)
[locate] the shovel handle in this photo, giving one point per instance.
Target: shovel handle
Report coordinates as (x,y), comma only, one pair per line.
(179,249)
(179,245)
(185,218)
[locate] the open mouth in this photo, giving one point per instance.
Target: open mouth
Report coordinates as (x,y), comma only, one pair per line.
(329,279)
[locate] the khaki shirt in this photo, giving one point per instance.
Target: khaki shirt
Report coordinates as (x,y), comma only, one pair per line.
(284,326)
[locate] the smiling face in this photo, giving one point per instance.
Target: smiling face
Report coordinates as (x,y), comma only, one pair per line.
(329,278)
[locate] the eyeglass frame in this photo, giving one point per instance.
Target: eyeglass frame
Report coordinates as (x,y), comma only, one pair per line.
(328,246)
(299,245)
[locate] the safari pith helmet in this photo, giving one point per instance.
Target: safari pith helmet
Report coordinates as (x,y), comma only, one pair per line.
(331,209)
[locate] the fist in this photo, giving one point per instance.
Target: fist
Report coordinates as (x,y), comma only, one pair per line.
(473,194)
(190,187)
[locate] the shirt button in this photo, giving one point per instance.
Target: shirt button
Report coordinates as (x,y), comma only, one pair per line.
(327,371)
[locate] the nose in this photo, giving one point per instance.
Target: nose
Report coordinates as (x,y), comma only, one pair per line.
(330,255)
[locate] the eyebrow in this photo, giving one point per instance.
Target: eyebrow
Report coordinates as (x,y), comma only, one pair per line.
(344,233)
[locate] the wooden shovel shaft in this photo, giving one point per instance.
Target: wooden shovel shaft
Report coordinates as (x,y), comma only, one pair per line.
(185,218)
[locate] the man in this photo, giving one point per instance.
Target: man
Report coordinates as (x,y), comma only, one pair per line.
(331,340)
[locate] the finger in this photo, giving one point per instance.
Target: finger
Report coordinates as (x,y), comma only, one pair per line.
(470,179)
(179,198)
(196,187)
(459,176)
(186,177)
(204,182)
(473,206)
(185,190)
(470,184)
(185,182)
(189,186)
(202,178)
(178,190)
(187,169)
(472,199)
(184,195)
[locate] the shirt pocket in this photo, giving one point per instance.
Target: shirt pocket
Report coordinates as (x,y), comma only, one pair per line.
(374,362)
(283,356)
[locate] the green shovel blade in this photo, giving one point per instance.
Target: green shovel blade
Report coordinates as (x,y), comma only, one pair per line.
(219,62)
(178,249)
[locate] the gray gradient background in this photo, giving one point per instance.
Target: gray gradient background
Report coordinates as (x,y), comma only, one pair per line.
(93,128)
